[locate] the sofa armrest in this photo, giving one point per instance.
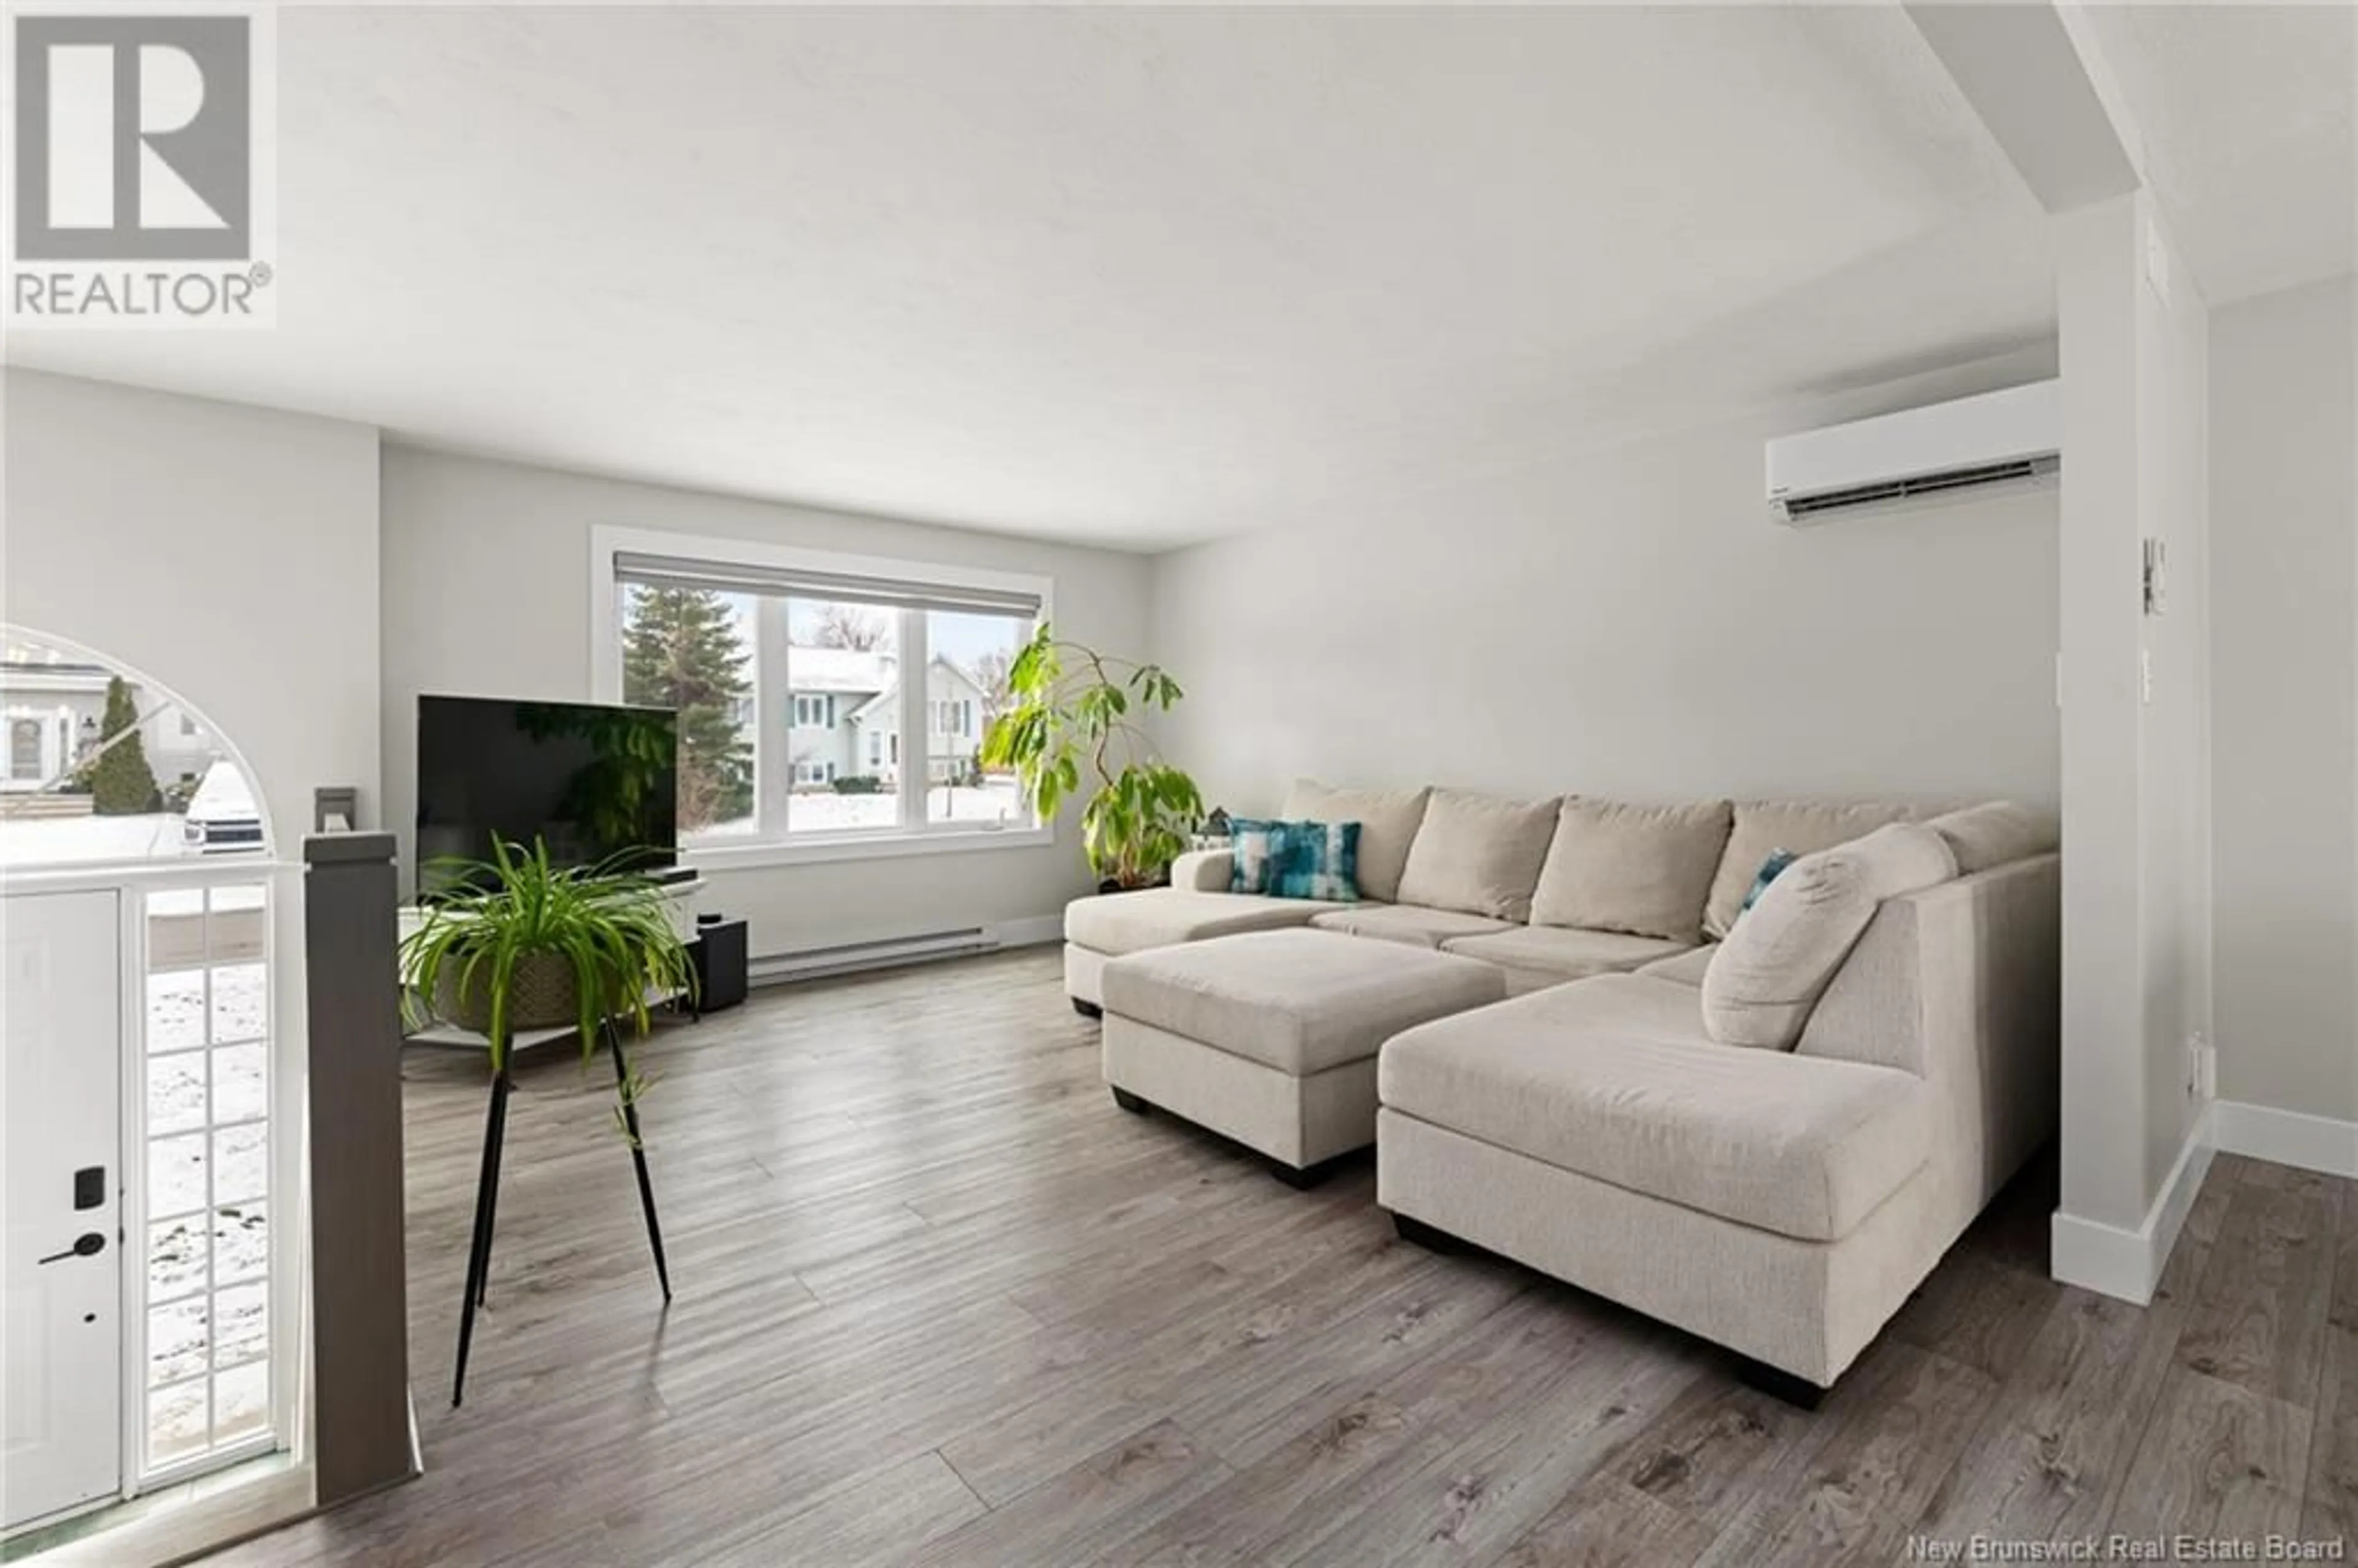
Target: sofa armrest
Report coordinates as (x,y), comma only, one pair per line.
(1951,980)
(1960,984)
(1200,870)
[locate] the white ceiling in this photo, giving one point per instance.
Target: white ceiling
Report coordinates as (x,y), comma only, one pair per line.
(1127,276)
(2249,115)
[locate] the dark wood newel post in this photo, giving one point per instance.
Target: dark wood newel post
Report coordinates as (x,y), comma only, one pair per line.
(360,1328)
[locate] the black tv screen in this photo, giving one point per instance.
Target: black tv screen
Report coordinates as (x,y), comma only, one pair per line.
(595,782)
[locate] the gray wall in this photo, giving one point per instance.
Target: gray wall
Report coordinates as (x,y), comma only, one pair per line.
(1631,623)
(2284,469)
(228,552)
(486,581)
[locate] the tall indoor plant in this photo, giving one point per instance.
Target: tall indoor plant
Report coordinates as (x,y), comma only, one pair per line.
(1071,724)
(519,941)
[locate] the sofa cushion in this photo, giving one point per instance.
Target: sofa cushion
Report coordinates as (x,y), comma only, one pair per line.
(1301,1002)
(1996,833)
(1536,956)
(1644,869)
(1157,917)
(1802,827)
(1684,968)
(1410,922)
(1769,972)
(1614,1080)
(1387,820)
(1478,853)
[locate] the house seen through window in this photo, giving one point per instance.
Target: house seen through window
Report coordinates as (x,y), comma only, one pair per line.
(792,704)
(100,768)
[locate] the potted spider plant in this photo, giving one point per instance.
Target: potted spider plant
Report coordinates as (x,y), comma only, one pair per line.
(1065,717)
(519,941)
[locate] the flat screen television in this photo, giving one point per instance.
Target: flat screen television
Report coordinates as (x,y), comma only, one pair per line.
(595,782)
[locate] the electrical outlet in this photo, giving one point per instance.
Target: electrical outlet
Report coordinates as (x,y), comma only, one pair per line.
(2206,1067)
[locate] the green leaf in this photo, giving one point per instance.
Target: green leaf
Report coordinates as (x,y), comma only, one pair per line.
(1060,729)
(612,928)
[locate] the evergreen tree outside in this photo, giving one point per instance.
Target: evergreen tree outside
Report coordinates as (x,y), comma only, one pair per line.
(681,650)
(121,782)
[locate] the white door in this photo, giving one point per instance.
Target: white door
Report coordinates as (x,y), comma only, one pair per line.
(61,995)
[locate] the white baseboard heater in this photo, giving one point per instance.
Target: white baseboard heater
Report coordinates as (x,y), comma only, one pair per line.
(810,963)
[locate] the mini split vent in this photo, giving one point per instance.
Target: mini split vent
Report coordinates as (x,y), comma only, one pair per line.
(1800,509)
(1999,437)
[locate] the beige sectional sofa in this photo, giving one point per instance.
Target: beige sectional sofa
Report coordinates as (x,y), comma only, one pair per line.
(1769,1141)
(1549,891)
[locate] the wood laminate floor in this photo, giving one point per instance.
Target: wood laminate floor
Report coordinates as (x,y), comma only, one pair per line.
(940,1303)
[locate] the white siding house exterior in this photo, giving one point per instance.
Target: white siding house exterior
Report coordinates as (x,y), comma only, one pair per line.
(843,714)
(51,712)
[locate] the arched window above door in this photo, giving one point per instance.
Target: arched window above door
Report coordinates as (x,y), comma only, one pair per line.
(103,765)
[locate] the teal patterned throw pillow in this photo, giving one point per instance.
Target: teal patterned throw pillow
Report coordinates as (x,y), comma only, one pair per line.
(1252,857)
(1295,860)
(1770,869)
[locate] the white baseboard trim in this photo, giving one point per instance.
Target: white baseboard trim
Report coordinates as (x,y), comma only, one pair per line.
(2129,1263)
(2286,1137)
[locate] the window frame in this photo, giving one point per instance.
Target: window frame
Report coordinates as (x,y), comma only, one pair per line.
(773,767)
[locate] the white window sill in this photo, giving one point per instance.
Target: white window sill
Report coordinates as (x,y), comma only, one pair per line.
(816,849)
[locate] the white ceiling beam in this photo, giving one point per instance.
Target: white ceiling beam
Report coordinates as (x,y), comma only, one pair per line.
(2035,76)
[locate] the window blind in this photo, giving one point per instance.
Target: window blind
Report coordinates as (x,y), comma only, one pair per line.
(730,577)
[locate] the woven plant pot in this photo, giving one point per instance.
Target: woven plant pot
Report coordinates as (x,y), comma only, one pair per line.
(541,995)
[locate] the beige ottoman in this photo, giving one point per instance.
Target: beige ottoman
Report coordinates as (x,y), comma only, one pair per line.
(1106,927)
(1270,1038)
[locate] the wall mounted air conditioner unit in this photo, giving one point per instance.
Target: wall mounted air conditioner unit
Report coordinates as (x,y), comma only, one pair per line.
(1998,437)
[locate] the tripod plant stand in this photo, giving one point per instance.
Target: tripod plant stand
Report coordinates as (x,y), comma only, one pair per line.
(487,1195)
(523,937)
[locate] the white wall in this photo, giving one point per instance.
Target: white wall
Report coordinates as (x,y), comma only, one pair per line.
(2103,991)
(2174,741)
(226,551)
(2136,806)
(1629,623)
(486,585)
(2283,494)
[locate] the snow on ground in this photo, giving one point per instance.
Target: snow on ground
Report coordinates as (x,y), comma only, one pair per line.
(995,804)
(176,1007)
(176,1096)
(183,1339)
(824,811)
(67,840)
